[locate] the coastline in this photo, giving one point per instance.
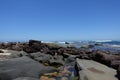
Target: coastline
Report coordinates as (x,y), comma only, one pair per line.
(52,55)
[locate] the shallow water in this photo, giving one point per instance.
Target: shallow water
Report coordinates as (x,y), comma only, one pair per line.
(64,75)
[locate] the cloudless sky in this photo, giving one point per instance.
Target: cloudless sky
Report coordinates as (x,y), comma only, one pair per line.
(59,19)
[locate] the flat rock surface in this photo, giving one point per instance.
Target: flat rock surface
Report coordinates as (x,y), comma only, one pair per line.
(10,54)
(91,70)
(25,78)
(22,67)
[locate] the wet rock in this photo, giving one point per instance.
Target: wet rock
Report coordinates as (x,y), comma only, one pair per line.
(22,67)
(46,78)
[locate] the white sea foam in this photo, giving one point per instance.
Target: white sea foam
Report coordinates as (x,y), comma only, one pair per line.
(103,41)
(47,41)
(117,46)
(61,42)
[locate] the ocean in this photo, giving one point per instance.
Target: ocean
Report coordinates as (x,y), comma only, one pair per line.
(107,45)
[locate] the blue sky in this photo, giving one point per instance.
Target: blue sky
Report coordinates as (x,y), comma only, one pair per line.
(59,19)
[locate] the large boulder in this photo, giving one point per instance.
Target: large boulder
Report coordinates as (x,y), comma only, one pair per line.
(33,42)
(34,46)
(92,70)
(106,58)
(101,57)
(22,67)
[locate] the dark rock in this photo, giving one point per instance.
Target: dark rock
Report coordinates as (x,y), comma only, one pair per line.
(115,64)
(72,51)
(2,46)
(106,58)
(34,42)
(66,55)
(98,44)
(61,50)
(57,60)
(67,43)
(102,57)
(56,63)
(118,72)
(87,46)
(10,45)
(35,46)
(18,47)
(22,67)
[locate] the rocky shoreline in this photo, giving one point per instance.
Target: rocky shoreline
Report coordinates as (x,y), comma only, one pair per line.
(35,60)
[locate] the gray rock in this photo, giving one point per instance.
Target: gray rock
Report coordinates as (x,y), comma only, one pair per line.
(70,61)
(41,57)
(52,60)
(26,78)
(92,70)
(22,67)
(1,51)
(9,54)
(56,61)
(22,53)
(35,55)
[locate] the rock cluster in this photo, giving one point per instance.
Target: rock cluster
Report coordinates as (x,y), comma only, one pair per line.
(54,55)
